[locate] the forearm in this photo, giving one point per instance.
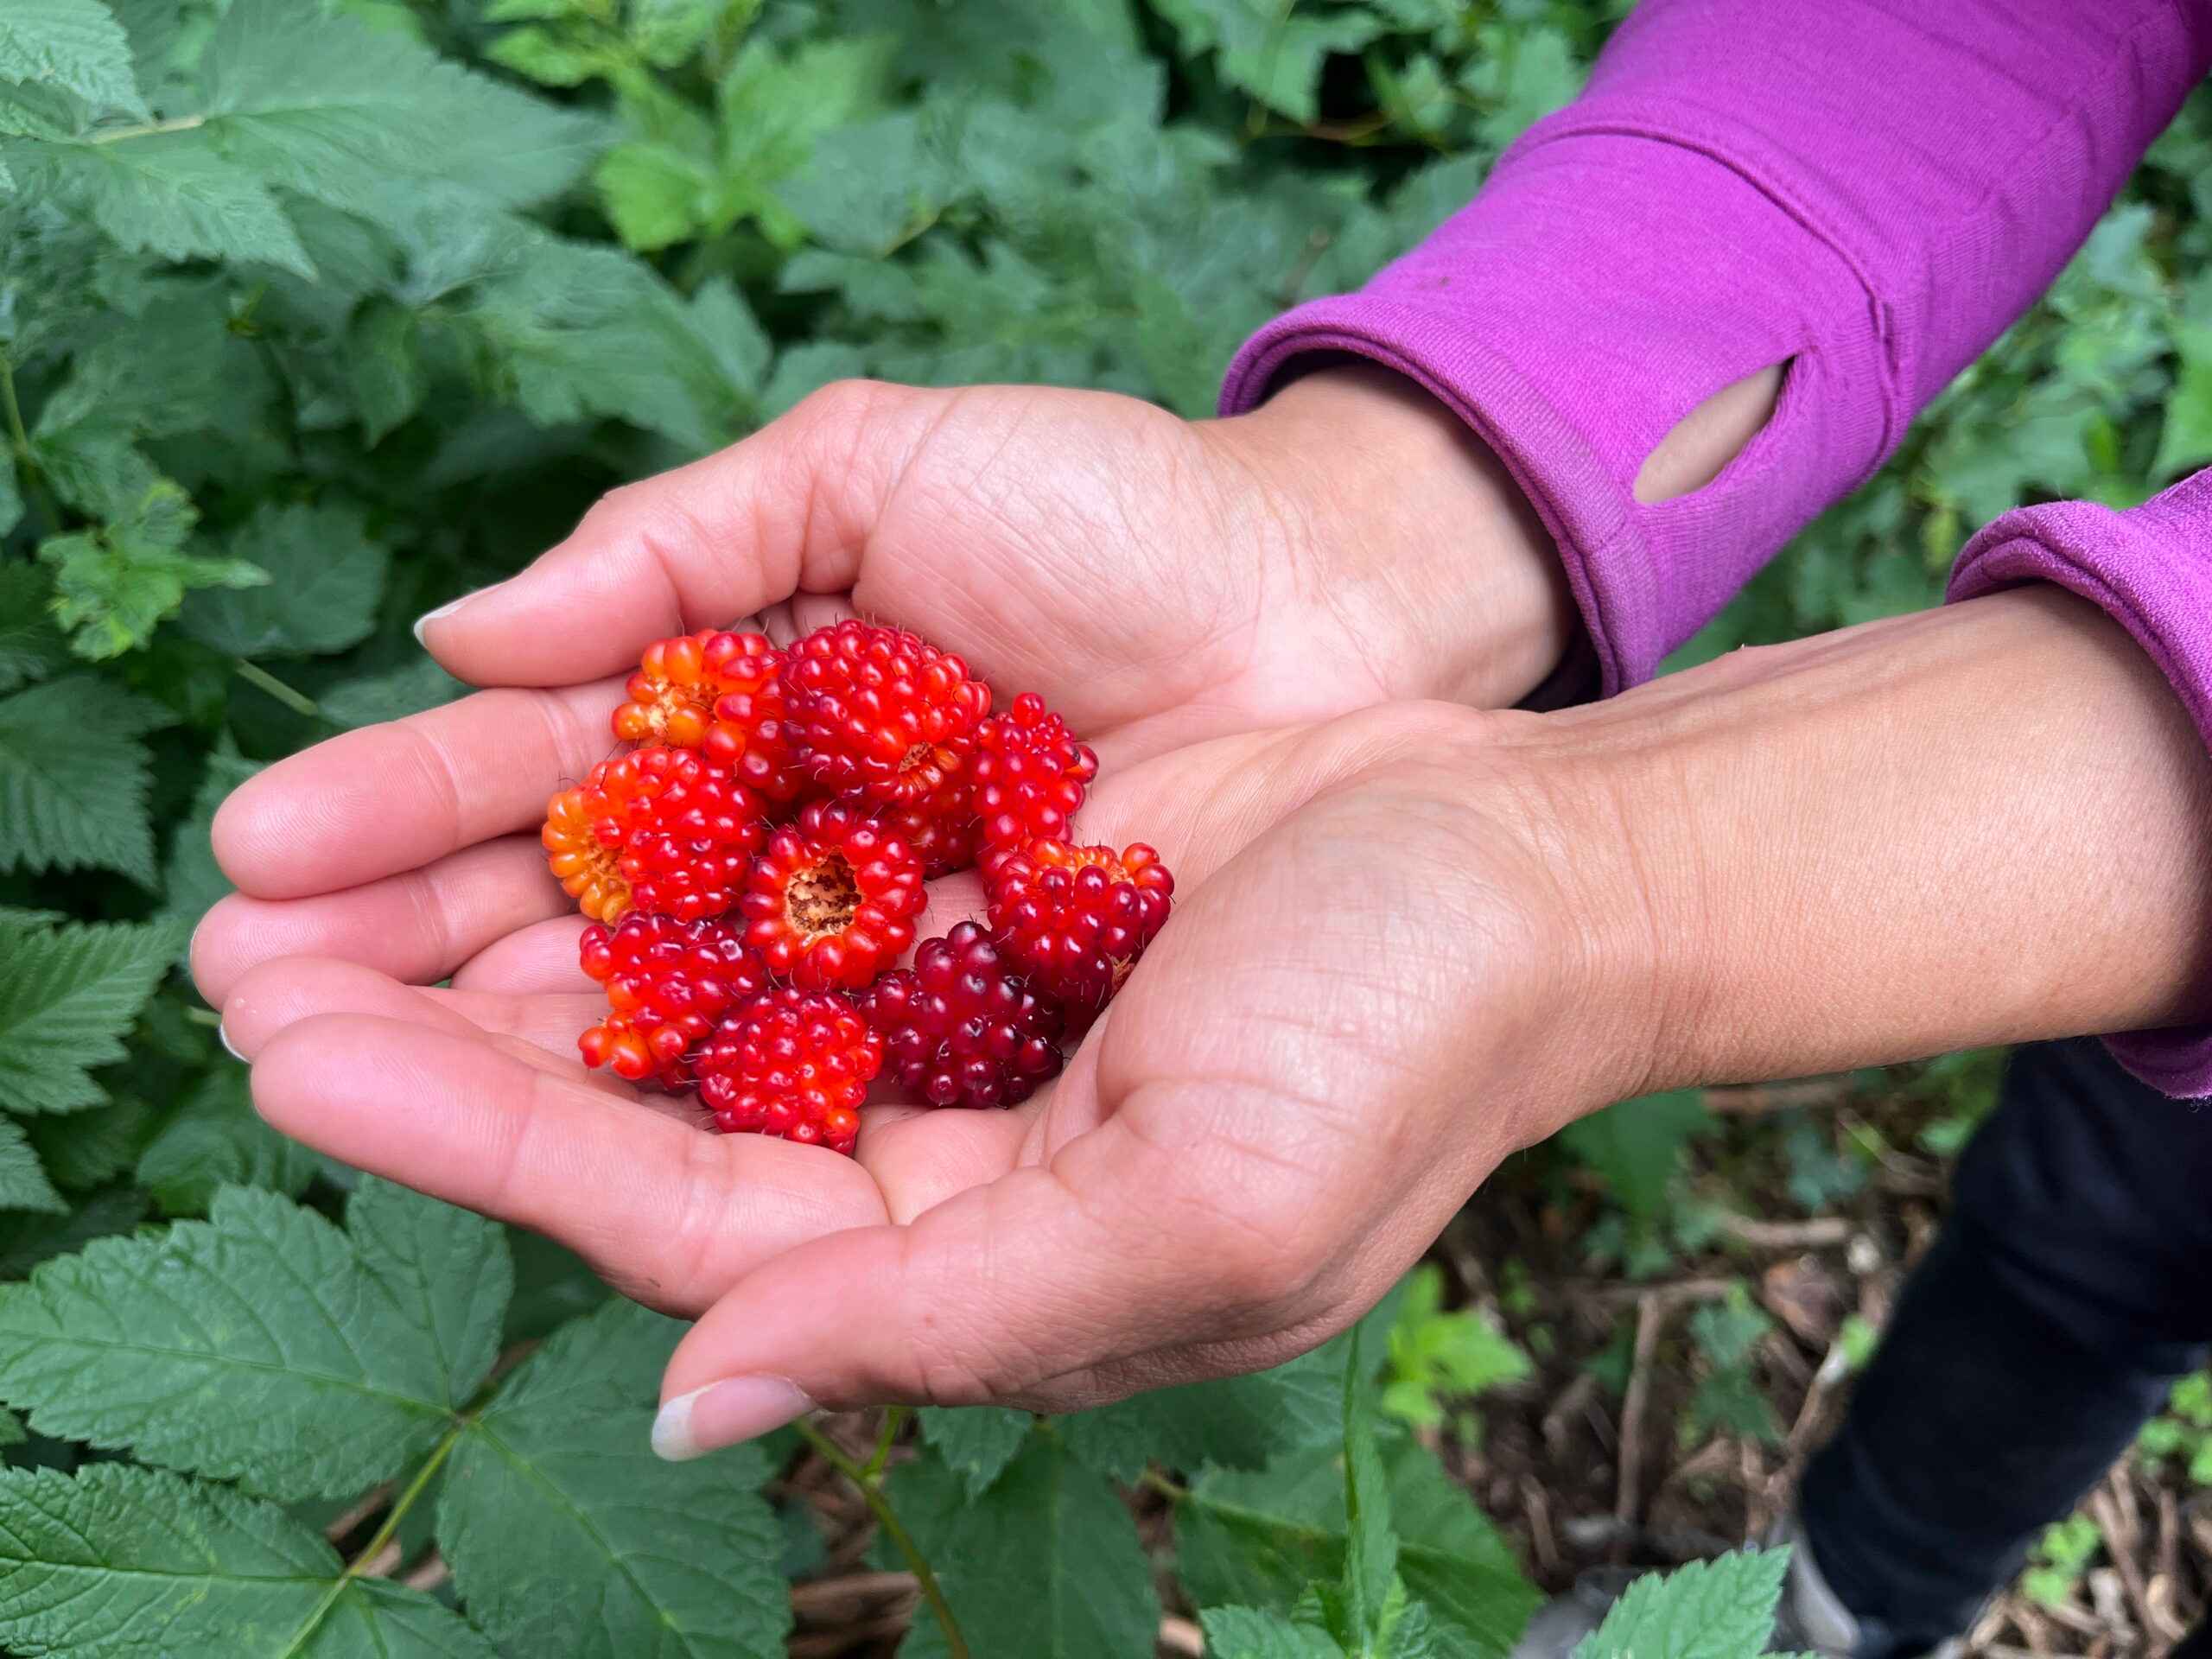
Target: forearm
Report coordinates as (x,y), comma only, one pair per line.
(1987,823)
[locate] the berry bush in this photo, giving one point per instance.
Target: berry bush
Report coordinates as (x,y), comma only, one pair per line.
(316,313)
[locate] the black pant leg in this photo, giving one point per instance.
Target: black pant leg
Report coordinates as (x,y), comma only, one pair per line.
(2071,1286)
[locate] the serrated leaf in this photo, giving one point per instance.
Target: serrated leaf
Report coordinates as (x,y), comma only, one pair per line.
(1259,1538)
(1370,1548)
(28,1237)
(215,1139)
(1254,1633)
(1237,1422)
(263,1344)
(978,1442)
(653,194)
(74,777)
(383,369)
(1271,51)
(1721,1609)
(325,578)
(125,1563)
(167,192)
(67,997)
(114,585)
(1637,1145)
(76,45)
(567,1536)
(1046,1564)
(322,105)
(24,1183)
(31,647)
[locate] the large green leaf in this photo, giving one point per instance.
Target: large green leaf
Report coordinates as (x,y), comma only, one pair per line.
(74,777)
(1721,1609)
(125,1563)
(325,577)
(67,996)
(1046,1564)
(76,45)
(264,1344)
(566,1535)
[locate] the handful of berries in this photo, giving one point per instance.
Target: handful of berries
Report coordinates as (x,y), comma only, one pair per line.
(754,864)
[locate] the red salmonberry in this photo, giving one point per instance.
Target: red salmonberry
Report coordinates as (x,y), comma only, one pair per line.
(941,828)
(832,902)
(1076,919)
(667,983)
(879,710)
(791,1063)
(1027,775)
(661,830)
(961,1028)
(720,693)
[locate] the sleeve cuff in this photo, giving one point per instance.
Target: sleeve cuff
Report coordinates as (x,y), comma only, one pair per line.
(2150,569)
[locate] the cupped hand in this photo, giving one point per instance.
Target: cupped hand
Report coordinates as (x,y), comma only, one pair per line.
(1347,1021)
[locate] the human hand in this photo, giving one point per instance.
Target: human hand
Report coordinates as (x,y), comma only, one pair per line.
(1345,1023)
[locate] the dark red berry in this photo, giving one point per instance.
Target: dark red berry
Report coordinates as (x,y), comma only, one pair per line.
(667,983)
(961,1028)
(794,1065)
(1076,919)
(878,710)
(1027,775)
(832,901)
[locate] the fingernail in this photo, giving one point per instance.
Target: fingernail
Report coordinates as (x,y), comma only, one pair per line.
(223,1036)
(722,1414)
(446,609)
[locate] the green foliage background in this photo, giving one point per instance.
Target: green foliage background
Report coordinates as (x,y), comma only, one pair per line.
(313,314)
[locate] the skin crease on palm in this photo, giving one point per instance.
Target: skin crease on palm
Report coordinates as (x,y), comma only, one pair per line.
(1409,938)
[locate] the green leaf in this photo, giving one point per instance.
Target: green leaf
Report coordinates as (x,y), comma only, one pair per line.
(336,111)
(90,1148)
(325,578)
(1046,1564)
(120,1562)
(76,45)
(393,695)
(567,1536)
(1259,1538)
(1370,1548)
(264,1344)
(2185,439)
(24,1183)
(1254,1633)
(31,647)
(171,194)
(977,1442)
(653,194)
(74,777)
(67,996)
(1721,1609)
(113,586)
(1637,1145)
(215,1139)
(1267,49)
(1237,1422)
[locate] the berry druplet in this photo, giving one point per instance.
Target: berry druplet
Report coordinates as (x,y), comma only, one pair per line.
(1076,919)
(879,710)
(790,1064)
(831,902)
(667,983)
(1027,775)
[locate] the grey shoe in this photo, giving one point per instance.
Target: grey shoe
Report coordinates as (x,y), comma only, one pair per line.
(1810,1620)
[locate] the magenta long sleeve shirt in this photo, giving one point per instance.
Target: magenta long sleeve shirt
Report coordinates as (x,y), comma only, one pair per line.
(1867,190)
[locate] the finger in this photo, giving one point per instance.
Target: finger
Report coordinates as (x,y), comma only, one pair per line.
(275,994)
(1112,1250)
(389,798)
(418,926)
(670,1214)
(787,510)
(538,960)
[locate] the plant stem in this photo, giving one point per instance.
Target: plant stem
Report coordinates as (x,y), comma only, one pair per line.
(369,1551)
(298,701)
(20,440)
(146,129)
(872,1494)
(892,1419)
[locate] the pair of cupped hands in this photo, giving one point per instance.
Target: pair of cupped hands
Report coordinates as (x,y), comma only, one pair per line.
(1278,631)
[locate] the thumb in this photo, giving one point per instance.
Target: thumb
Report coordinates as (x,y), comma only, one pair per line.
(1045,1274)
(787,510)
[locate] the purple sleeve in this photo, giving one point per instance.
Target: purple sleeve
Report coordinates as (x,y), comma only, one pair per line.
(2150,569)
(1869,190)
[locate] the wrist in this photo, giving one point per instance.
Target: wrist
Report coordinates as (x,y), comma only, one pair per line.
(1987,823)
(1425,544)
